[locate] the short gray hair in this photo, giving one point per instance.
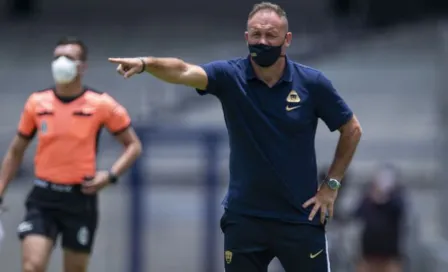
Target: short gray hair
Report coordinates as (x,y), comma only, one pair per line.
(270,7)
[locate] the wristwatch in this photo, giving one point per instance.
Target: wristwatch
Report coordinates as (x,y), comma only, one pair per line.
(113,179)
(143,65)
(334,184)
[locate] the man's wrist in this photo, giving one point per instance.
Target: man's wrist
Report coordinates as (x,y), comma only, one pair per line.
(143,61)
(332,183)
(113,178)
(147,62)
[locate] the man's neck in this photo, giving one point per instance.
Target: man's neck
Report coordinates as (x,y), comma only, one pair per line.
(272,74)
(69,90)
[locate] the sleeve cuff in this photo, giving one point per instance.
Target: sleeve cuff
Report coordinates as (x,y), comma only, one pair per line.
(347,117)
(202,92)
(27,136)
(121,130)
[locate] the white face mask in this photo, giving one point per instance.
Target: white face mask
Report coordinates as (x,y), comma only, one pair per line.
(64,70)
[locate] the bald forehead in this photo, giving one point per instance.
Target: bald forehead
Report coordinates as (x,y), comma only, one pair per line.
(267,20)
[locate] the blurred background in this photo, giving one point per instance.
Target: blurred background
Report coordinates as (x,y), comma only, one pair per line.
(386,57)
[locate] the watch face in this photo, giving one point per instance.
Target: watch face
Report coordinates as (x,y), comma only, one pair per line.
(113,178)
(333,184)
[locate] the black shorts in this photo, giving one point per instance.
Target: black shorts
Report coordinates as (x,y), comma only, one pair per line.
(380,245)
(53,210)
(251,243)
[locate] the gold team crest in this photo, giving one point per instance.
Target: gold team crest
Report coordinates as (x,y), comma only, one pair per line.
(228,256)
(293,97)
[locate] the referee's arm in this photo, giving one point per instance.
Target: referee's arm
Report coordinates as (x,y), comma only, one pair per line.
(132,150)
(118,123)
(12,161)
(17,148)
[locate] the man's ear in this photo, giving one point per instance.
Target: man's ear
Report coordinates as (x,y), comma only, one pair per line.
(288,39)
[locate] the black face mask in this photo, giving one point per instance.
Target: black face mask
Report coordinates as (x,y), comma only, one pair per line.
(265,55)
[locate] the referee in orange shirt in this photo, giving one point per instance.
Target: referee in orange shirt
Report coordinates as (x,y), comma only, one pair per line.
(67,120)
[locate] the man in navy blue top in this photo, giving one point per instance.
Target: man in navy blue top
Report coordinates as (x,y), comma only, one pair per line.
(271,107)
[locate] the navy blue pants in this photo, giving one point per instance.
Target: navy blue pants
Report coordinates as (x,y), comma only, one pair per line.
(250,244)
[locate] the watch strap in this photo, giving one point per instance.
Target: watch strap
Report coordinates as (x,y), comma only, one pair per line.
(113,179)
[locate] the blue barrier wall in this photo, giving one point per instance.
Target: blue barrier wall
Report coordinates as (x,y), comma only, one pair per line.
(208,141)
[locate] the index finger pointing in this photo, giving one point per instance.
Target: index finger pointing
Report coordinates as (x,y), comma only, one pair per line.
(117,60)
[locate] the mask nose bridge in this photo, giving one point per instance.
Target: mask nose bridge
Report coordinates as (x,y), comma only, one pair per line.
(67,58)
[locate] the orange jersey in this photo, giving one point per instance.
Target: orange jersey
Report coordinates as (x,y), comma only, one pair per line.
(68,132)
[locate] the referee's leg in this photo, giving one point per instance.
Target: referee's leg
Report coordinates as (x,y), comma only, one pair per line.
(78,233)
(38,232)
(36,252)
(302,248)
